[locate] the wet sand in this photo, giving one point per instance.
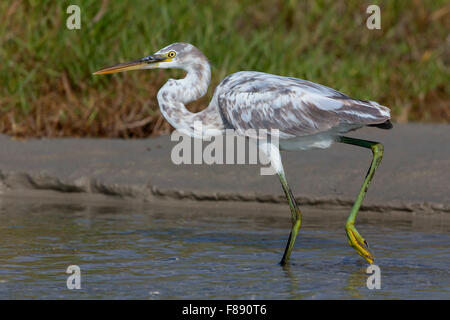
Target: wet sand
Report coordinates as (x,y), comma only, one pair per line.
(413,177)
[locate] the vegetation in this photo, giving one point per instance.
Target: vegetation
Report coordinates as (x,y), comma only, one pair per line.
(47,87)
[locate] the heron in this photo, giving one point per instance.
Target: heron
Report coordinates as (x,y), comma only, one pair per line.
(305,114)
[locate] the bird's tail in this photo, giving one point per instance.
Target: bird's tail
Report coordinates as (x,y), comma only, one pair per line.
(385,112)
(385,125)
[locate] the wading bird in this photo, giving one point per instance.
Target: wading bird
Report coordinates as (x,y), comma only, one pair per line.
(306,114)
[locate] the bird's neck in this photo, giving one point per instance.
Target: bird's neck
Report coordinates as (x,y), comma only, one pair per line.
(175,94)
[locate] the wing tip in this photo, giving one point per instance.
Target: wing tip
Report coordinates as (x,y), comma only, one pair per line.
(386,125)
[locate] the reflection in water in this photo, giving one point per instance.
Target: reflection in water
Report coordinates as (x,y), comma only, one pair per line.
(355,281)
(163,251)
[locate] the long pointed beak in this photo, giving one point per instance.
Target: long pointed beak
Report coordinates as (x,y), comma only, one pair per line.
(143,63)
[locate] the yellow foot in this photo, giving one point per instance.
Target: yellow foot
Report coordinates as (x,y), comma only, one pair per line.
(358,243)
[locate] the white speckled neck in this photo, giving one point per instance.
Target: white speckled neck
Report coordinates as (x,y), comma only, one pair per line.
(175,94)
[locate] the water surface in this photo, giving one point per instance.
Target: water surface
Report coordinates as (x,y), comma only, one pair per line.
(199,252)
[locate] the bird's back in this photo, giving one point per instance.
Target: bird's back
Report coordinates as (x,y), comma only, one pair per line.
(296,107)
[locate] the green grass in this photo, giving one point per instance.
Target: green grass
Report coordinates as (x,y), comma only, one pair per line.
(47,87)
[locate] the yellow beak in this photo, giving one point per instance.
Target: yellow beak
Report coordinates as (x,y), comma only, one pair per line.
(133,65)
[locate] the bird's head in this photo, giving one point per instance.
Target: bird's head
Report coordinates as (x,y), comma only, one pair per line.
(178,55)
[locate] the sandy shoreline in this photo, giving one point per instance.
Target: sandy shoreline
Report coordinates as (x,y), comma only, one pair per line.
(413,177)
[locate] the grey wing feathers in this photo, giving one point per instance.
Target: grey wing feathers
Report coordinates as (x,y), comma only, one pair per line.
(255,100)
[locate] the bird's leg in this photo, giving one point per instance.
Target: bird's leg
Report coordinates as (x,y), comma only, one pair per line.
(296,218)
(273,152)
(354,238)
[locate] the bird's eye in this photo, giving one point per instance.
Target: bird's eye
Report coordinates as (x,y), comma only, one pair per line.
(171,54)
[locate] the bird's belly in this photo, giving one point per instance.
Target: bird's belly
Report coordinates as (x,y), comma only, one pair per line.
(321,140)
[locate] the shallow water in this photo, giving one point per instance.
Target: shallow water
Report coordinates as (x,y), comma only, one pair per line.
(158,252)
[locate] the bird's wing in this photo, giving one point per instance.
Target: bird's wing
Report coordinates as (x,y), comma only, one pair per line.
(255,100)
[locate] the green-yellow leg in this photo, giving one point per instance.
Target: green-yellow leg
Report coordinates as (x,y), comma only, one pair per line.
(355,240)
(296,219)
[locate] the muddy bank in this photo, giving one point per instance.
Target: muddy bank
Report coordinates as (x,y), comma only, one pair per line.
(413,176)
